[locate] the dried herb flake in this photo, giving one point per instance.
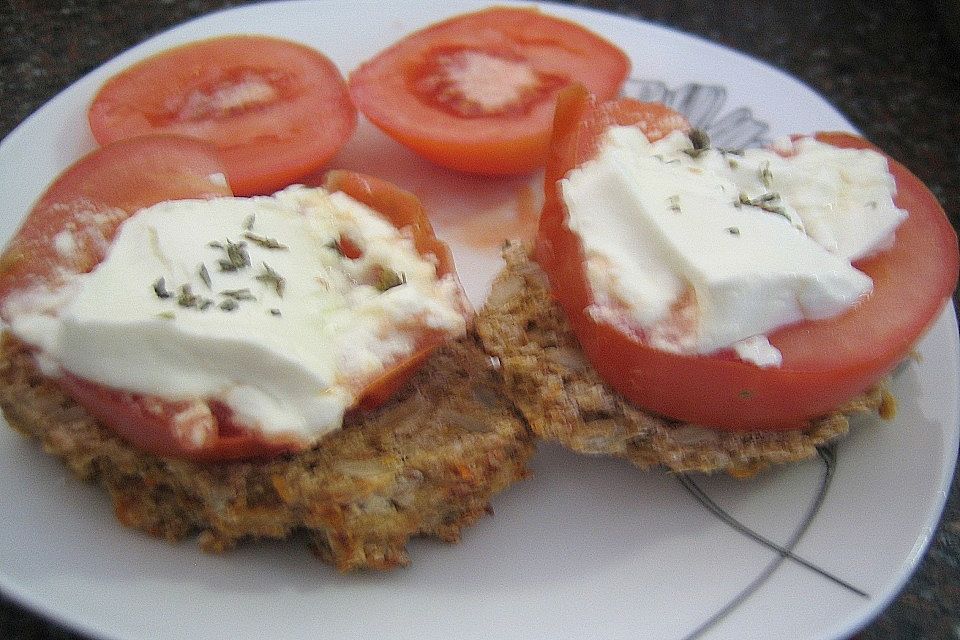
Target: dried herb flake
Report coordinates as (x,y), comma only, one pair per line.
(261,241)
(271,277)
(160,288)
(388,279)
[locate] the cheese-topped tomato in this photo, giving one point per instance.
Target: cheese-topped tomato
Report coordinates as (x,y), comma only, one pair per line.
(233,327)
(737,292)
(696,249)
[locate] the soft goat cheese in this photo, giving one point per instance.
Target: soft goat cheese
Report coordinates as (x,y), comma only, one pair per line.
(698,250)
(250,301)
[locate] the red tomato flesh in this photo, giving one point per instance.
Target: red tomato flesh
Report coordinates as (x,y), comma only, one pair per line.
(476,92)
(825,363)
(277,110)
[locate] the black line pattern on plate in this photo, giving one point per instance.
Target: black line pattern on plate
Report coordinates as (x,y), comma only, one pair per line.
(702,105)
(828,456)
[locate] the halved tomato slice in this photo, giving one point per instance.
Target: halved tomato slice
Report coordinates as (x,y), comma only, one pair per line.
(825,363)
(476,92)
(277,110)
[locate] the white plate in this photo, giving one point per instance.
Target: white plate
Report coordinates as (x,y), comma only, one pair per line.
(588,547)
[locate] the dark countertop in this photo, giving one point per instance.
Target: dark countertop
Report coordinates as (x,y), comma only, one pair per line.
(889,67)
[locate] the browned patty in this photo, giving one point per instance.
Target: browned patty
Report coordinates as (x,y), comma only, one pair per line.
(427,463)
(564,399)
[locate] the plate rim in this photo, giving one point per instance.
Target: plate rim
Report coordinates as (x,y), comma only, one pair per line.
(38,605)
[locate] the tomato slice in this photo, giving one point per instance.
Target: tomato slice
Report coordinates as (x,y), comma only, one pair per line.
(476,92)
(277,110)
(825,363)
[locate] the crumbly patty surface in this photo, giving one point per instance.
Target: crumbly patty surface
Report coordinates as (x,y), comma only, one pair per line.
(426,463)
(564,399)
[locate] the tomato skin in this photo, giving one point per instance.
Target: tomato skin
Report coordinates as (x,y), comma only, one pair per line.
(507,140)
(825,363)
(277,110)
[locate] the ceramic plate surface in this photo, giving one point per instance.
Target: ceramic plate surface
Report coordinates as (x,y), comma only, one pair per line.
(585,548)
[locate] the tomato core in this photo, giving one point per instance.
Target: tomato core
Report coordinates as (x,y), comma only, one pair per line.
(474,83)
(236,91)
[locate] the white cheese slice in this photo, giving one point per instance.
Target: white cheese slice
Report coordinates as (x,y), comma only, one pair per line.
(695,252)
